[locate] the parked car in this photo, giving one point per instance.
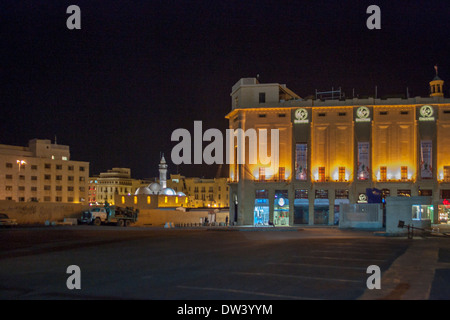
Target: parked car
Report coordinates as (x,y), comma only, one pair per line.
(5,221)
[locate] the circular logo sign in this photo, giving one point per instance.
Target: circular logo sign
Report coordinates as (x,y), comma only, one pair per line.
(281,202)
(426,111)
(363,113)
(362,197)
(301,114)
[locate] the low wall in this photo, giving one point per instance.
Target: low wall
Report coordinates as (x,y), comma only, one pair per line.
(361,216)
(158,218)
(400,208)
(39,212)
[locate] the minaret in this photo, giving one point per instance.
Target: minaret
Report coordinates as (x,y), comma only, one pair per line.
(163,172)
(436,85)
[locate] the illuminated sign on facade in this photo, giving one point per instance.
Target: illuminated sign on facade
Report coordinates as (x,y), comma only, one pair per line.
(301,116)
(426,113)
(362,114)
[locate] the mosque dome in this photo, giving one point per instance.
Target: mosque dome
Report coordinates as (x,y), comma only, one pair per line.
(181,194)
(143,190)
(168,192)
(154,187)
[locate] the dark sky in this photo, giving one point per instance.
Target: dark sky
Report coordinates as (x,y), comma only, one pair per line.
(115,90)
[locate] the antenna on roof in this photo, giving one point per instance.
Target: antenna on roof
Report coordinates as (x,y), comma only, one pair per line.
(436,68)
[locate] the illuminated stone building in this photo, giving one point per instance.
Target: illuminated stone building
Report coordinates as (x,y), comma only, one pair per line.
(42,172)
(336,151)
(107,185)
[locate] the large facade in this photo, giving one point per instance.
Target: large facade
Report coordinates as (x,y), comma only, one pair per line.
(336,151)
(42,172)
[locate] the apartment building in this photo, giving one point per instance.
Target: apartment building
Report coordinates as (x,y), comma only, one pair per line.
(42,172)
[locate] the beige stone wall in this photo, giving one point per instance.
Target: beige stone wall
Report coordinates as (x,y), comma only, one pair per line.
(158,218)
(38,212)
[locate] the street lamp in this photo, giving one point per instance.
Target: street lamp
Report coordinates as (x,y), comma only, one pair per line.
(21,163)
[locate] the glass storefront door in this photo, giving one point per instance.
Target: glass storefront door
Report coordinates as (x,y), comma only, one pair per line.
(321,211)
(281,208)
(301,207)
(261,209)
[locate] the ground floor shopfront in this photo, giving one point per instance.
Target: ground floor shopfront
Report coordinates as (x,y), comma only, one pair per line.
(288,205)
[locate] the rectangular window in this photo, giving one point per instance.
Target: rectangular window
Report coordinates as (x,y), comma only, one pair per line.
(8,188)
(58,178)
(47,177)
(301,161)
(422,212)
(446,173)
(321,194)
(47,188)
(47,199)
(341,174)
(47,166)
(425,193)
(403,193)
(426,159)
(341,194)
(262,97)
(58,188)
(9,165)
(363,161)
(34,167)
(58,167)
(321,174)
(21,188)
(281,174)
(33,178)
(383,173)
(58,199)
(404,173)
(8,176)
(262,174)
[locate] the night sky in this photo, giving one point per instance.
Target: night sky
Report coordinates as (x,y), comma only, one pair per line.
(115,90)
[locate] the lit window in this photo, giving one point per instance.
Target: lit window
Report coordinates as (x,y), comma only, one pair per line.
(135,200)
(262,174)
(321,174)
(123,200)
(281,173)
(446,173)
(148,199)
(176,200)
(341,173)
(404,173)
(383,173)
(165,199)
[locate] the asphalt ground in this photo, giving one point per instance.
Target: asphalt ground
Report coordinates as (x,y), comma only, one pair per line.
(219,264)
